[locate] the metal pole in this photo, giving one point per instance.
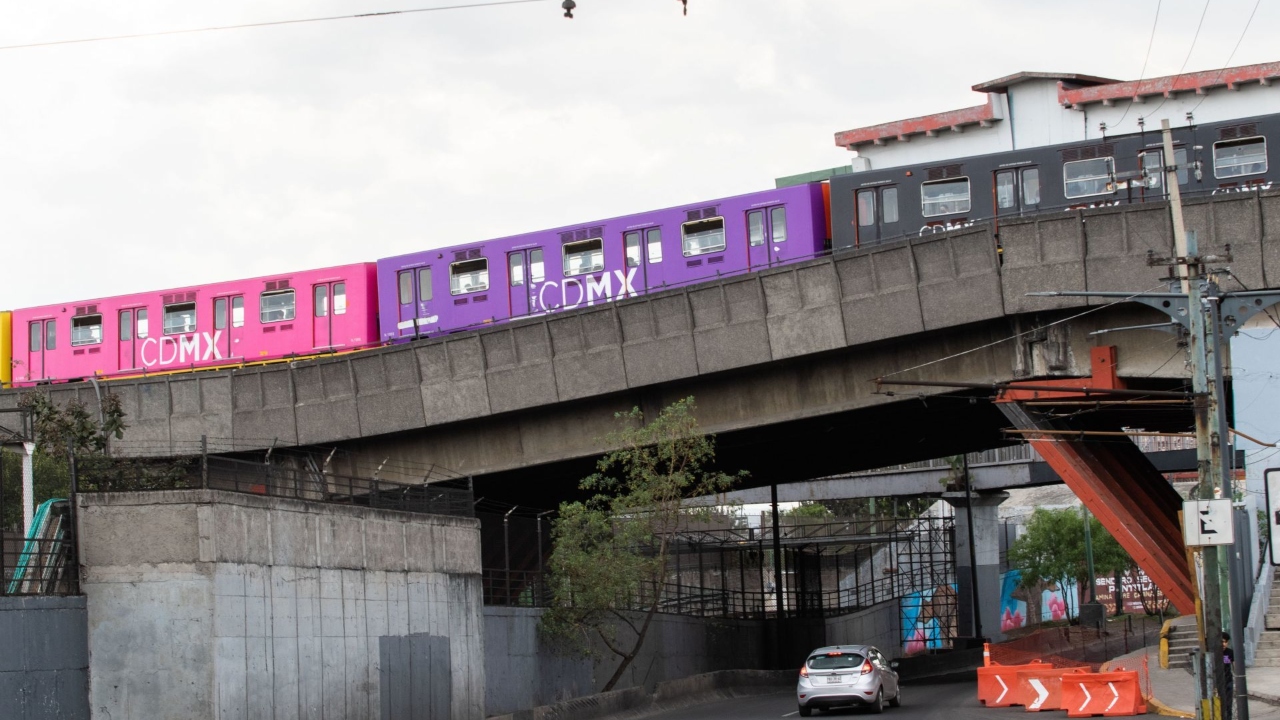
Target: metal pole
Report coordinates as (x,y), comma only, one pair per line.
(973,551)
(1235,582)
(4,584)
(506,555)
(777,554)
(204,461)
(28,487)
(1088,554)
(1189,273)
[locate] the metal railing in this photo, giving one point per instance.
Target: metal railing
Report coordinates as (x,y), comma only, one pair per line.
(38,566)
(109,474)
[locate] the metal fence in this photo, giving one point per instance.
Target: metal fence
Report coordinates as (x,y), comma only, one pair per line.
(295,480)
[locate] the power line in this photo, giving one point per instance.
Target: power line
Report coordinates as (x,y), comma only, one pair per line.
(1233,51)
(1186,59)
(298,21)
(1142,75)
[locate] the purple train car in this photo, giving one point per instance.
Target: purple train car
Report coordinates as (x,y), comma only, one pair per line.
(449,289)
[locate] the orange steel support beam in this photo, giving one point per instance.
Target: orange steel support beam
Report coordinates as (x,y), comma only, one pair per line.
(1116,482)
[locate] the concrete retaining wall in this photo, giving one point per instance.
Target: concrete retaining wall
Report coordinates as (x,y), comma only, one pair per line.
(204,604)
(524,673)
(44,658)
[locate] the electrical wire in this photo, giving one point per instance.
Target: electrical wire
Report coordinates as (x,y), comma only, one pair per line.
(213,28)
(1187,59)
(1142,75)
(1233,52)
(1015,336)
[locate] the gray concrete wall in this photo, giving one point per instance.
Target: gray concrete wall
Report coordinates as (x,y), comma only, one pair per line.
(879,625)
(44,658)
(524,673)
(205,604)
(514,373)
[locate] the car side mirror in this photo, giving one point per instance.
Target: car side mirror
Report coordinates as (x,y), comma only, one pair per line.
(893,664)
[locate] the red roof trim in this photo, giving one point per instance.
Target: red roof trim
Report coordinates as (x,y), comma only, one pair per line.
(1230,77)
(917,125)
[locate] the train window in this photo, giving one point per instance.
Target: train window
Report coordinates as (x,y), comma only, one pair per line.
(237,312)
(35,337)
(779,217)
(86,330)
(50,334)
(1006,197)
(1030,186)
(219,313)
(631,242)
(143,326)
(755,228)
(321,303)
(653,241)
(866,208)
(1082,178)
(406,287)
(179,318)
(515,262)
(703,236)
(944,197)
(584,257)
(889,205)
(340,294)
(126,324)
(425,290)
(277,306)
(1233,158)
(536,272)
(469,276)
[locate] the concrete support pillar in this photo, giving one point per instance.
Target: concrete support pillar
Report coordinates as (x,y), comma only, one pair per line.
(28,487)
(983,563)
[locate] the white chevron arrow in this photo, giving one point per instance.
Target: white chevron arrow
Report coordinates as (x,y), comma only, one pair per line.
(1087,697)
(1042,694)
(1115,697)
(1004,691)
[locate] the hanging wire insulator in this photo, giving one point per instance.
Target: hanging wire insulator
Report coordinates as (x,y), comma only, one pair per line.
(685,3)
(568,6)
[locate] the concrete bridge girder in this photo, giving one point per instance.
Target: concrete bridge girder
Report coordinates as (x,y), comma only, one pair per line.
(789,345)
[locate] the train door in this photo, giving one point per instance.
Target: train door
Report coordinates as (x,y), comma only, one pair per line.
(43,335)
(228,325)
(525,272)
(125,349)
(329,300)
(766,231)
(634,252)
(876,215)
(415,289)
(1016,191)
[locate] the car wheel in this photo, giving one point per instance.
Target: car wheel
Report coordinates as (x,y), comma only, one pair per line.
(878,705)
(897,698)
(805,711)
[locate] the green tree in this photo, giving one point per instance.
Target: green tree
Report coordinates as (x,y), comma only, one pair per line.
(609,557)
(1052,549)
(806,511)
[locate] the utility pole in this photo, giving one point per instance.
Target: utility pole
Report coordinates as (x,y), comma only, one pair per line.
(1198,310)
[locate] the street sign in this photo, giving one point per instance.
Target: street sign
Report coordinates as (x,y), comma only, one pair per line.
(1272,477)
(1208,522)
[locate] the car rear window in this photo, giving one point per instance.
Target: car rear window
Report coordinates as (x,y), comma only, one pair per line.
(843,661)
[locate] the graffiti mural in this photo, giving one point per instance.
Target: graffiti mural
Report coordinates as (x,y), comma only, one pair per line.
(928,619)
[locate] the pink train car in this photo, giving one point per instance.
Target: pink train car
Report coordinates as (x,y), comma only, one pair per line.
(229,323)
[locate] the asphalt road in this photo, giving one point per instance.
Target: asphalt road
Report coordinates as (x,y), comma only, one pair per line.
(952,701)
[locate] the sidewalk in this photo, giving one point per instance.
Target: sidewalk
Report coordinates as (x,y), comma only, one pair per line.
(1173,692)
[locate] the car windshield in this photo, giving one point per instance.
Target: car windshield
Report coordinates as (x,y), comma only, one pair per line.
(837,661)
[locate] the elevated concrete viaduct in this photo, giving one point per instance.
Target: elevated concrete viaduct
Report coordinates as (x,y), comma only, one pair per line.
(782,362)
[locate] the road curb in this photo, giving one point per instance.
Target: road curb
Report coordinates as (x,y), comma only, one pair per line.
(1265,698)
(1162,709)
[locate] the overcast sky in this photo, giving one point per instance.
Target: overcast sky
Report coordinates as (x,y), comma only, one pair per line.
(159,162)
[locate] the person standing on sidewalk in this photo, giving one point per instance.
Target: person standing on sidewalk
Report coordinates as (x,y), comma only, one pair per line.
(1229,682)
